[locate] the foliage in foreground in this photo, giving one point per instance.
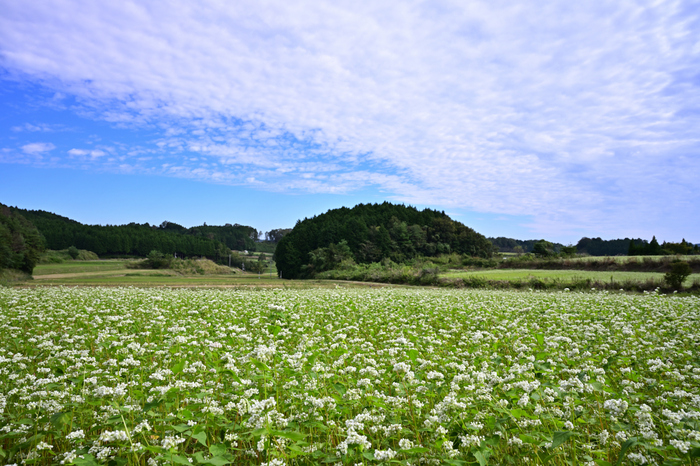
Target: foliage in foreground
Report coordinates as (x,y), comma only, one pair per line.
(131,376)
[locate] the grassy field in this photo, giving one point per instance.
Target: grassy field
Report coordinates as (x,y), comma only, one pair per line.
(563,275)
(131,376)
(114,273)
(79,267)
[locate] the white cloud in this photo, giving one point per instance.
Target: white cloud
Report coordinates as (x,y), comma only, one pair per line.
(93,153)
(579,114)
(37,148)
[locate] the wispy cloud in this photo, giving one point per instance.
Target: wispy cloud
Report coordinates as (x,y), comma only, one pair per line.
(584,116)
(37,148)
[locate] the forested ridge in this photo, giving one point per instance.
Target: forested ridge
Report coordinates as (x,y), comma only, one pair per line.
(140,239)
(369,233)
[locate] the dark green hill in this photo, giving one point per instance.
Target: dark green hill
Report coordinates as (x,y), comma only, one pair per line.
(20,242)
(372,232)
(136,239)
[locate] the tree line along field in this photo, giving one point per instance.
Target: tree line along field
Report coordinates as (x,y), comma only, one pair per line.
(126,376)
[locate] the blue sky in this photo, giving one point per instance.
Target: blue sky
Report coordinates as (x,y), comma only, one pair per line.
(526,119)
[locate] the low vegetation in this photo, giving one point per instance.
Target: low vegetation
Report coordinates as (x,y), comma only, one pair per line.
(129,376)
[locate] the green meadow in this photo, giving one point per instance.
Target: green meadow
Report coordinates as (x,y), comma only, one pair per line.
(561,275)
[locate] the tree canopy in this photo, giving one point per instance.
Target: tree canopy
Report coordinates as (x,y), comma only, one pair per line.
(136,239)
(21,244)
(372,232)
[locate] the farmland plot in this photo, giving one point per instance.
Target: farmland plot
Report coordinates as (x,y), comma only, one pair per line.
(156,376)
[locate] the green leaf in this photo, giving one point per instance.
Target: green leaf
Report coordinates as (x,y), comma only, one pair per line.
(540,339)
(626,446)
(86,460)
(201,437)
(60,420)
(180,460)
(180,427)
(602,463)
(177,368)
(415,450)
(312,360)
(368,454)
(481,458)
(260,365)
(413,355)
(560,437)
(218,449)
(340,388)
(544,457)
(219,460)
(274,329)
(296,436)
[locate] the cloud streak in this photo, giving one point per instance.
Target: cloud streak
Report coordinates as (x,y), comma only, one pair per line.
(569,113)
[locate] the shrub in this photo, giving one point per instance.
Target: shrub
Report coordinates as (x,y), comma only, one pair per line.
(73,252)
(680,270)
(158,260)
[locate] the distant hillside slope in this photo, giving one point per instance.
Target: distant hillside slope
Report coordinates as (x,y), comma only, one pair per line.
(371,232)
(136,239)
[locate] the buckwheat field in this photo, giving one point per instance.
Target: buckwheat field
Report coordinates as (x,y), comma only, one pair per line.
(158,376)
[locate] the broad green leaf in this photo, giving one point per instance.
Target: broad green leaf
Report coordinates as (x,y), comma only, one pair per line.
(560,437)
(368,454)
(626,446)
(60,420)
(413,355)
(201,437)
(218,449)
(481,458)
(180,460)
(274,329)
(545,457)
(86,460)
(218,461)
(179,366)
(260,365)
(340,388)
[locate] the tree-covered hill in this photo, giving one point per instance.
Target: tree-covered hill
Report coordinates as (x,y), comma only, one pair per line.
(140,239)
(20,242)
(371,232)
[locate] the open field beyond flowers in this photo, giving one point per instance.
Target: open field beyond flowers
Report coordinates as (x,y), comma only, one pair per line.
(159,376)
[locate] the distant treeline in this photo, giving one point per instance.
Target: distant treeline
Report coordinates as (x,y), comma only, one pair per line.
(601,247)
(518,246)
(369,233)
(213,242)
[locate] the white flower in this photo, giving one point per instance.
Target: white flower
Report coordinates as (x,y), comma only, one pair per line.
(43,446)
(405,444)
